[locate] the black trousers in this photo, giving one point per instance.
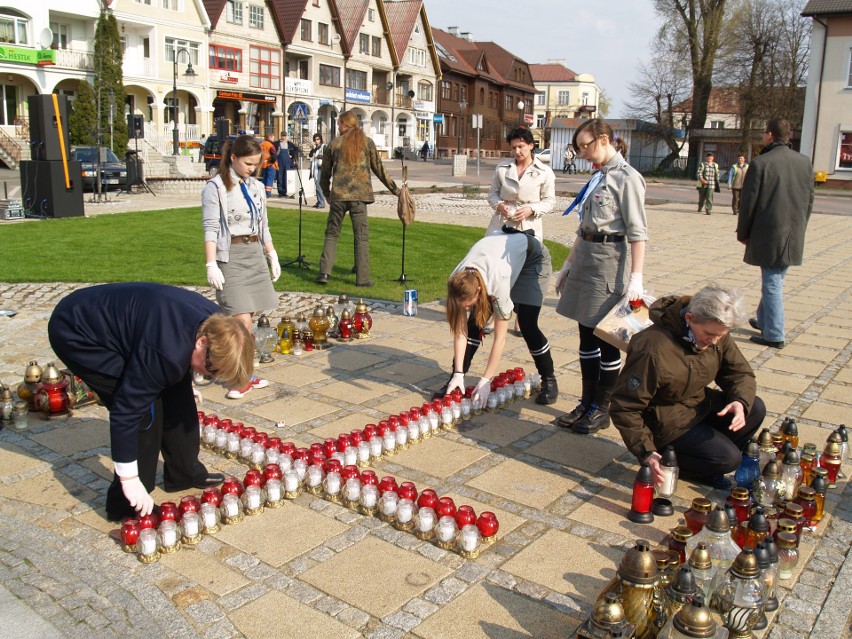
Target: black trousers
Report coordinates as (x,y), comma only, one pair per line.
(170,427)
(709,448)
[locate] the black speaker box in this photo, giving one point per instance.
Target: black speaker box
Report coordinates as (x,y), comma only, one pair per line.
(135,125)
(44,189)
(223,129)
(46,121)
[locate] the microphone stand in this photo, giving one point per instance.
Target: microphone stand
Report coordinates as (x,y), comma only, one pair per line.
(300,261)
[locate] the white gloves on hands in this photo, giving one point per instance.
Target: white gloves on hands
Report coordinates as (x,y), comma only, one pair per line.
(481,393)
(456,381)
(561,276)
(215,276)
(274,264)
(197,396)
(634,288)
(137,495)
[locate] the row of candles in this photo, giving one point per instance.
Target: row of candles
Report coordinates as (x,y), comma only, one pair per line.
(428,516)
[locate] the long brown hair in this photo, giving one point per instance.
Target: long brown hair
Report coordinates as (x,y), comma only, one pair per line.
(354,140)
(241,147)
(597,128)
(463,286)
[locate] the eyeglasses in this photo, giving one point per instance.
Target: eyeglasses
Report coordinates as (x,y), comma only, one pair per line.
(585,146)
(209,365)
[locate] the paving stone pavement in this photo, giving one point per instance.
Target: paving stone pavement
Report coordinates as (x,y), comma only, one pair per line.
(561,498)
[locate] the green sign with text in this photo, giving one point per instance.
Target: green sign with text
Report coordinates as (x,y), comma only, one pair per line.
(42,57)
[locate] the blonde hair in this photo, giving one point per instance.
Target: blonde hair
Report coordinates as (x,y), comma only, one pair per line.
(230,348)
(354,141)
(463,286)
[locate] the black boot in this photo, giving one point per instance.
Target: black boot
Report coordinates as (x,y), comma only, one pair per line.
(568,420)
(549,391)
(597,417)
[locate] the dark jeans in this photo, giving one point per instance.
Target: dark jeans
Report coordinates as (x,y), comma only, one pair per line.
(709,448)
(171,427)
(360,230)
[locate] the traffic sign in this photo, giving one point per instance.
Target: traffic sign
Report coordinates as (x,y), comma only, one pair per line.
(299,113)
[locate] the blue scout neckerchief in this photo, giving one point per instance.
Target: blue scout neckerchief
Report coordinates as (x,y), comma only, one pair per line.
(253,211)
(583,194)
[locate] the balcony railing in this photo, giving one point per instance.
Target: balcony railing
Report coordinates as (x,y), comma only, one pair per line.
(138,67)
(381,95)
(403,102)
(75,59)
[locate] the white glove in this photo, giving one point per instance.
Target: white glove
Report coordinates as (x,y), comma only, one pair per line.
(481,393)
(634,287)
(561,276)
(197,395)
(215,276)
(137,495)
(274,264)
(456,381)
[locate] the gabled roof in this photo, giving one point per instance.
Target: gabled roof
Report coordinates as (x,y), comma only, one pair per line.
(214,9)
(551,73)
(722,100)
(287,15)
(827,8)
(402,16)
(503,62)
(465,57)
(348,16)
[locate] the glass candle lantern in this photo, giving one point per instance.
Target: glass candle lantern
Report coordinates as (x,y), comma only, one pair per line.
(492,405)
(351,493)
(407,490)
(332,486)
(769,488)
(426,521)
(643,494)
(406,512)
(388,443)
(368,500)
(741,501)
(469,541)
(820,485)
(758,528)
(343,305)
(362,321)
(844,440)
(151,520)
(768,575)
(831,461)
(677,541)
(20,417)
(388,504)
(488,526)
(265,339)
(607,620)
(364,453)
(702,568)
(807,460)
(253,500)
(292,484)
(130,530)
(766,448)
(445,533)
(428,499)
(300,466)
(680,591)
(637,587)
(790,431)
(258,456)
(788,555)
(696,515)
(740,597)
(788,526)
(795,512)
(168,538)
(668,466)
(333,319)
(376,448)
(345,327)
(232,485)
(319,326)
(231,509)
(716,536)
(210,518)
(190,528)
(749,468)
(188,504)
(313,479)
(691,622)
(806,498)
(169,510)
(146,546)
(465,515)
(221,444)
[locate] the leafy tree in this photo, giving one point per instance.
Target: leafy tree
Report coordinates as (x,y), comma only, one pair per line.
(604,105)
(109,88)
(83,121)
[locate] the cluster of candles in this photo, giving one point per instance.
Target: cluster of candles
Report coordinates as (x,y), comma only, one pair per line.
(430,517)
(507,387)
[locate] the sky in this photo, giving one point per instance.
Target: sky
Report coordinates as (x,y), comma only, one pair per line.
(607,39)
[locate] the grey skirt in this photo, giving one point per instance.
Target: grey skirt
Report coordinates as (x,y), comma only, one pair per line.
(248,285)
(534,279)
(596,281)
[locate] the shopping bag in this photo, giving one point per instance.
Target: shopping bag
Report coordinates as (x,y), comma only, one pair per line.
(623,321)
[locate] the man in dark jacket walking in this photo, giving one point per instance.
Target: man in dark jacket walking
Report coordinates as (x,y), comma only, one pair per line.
(775,206)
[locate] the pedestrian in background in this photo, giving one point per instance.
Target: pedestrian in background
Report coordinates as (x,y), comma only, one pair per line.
(288,154)
(346,165)
(776,204)
(137,346)
(736,176)
(596,274)
(316,154)
(424,151)
(708,183)
(268,163)
(236,236)
(569,157)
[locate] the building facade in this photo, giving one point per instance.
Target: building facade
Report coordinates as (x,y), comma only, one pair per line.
(561,93)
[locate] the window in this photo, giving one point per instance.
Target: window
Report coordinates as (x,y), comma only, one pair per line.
(424,91)
(146,48)
(510,103)
(417,57)
(363,43)
(463,93)
(371,15)
(446,90)
(234,12)
(329,75)
(306,30)
(265,68)
(844,155)
(717,124)
(226,58)
(540,121)
(171,5)
(539,99)
(60,35)
(356,79)
(173,45)
(564,97)
(322,33)
(377,47)
(302,69)
(14,28)
(255,17)
(585,99)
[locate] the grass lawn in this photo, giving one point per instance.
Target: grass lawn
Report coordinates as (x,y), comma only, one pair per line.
(167,246)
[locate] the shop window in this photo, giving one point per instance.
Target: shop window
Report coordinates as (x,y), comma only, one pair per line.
(844,155)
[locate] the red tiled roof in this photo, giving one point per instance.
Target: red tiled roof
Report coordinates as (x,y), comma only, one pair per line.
(722,100)
(551,73)
(827,8)
(214,10)
(402,16)
(452,45)
(287,15)
(349,16)
(504,62)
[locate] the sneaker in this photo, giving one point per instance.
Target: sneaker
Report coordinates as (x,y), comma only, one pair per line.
(254,382)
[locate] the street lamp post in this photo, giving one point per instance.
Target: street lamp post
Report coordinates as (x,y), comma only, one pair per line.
(190,73)
(521,105)
(462,108)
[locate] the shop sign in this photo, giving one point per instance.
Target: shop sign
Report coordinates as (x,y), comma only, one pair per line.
(43,57)
(297,86)
(355,95)
(424,105)
(248,97)
(438,118)
(230,78)
(422,115)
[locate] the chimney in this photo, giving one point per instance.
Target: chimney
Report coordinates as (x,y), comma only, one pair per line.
(466,35)
(453,31)
(560,61)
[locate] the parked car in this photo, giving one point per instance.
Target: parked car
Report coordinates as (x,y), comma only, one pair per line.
(211,154)
(543,155)
(113,170)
